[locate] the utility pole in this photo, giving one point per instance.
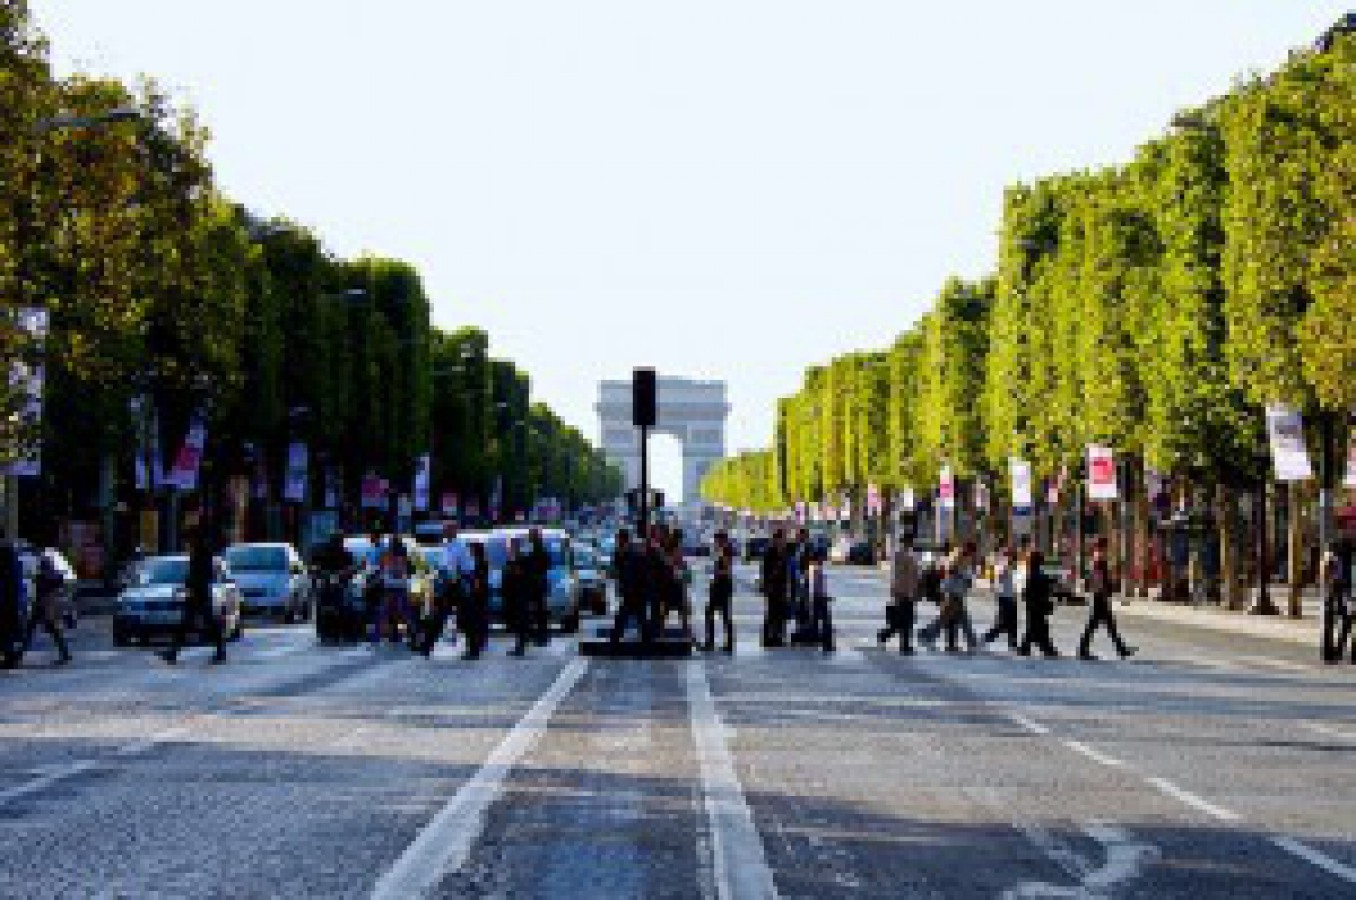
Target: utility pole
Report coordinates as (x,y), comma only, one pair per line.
(644,415)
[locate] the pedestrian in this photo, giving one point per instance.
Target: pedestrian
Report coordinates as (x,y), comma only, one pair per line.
(395,586)
(656,581)
(721,593)
(799,559)
(1005,597)
(774,591)
(1101,613)
(11,605)
(538,569)
(198,604)
(1038,597)
(473,616)
(453,571)
(904,584)
(821,601)
(955,591)
(629,563)
(514,590)
(1337,597)
(48,585)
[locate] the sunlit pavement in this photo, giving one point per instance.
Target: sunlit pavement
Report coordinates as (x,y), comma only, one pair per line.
(1209,765)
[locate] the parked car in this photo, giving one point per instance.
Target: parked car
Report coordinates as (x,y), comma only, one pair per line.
(588,569)
(425,569)
(562,599)
(153,604)
(273,580)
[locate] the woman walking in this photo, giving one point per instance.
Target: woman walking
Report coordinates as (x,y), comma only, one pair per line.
(1038,597)
(474,615)
(722,592)
(1005,594)
(821,616)
(1101,613)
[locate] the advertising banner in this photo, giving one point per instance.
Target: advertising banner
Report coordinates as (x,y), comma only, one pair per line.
(982,495)
(421,479)
(332,490)
(450,506)
(1020,472)
(184,475)
(294,488)
(1285,429)
(873,505)
(1350,479)
(1101,473)
(373,492)
(946,489)
(907,500)
(26,380)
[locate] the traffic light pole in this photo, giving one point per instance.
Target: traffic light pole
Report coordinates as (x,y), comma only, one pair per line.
(644,482)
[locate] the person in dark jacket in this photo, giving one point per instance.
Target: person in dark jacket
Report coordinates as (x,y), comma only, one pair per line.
(198,605)
(629,564)
(537,566)
(47,585)
(774,568)
(474,615)
(1101,613)
(513,588)
(1038,596)
(722,592)
(11,614)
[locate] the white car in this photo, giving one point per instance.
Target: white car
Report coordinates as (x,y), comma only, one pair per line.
(153,603)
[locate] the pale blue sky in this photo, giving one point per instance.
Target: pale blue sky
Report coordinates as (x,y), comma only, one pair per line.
(722,188)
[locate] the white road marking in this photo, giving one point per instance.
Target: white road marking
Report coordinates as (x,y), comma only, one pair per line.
(740,863)
(1092,753)
(1329,731)
(445,843)
(51,777)
(1028,724)
(1322,860)
(1279,664)
(149,743)
(1125,859)
(1194,801)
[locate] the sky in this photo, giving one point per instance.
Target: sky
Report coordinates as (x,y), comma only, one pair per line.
(723,189)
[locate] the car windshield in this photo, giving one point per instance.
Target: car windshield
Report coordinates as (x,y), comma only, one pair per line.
(162,571)
(257,559)
(496,551)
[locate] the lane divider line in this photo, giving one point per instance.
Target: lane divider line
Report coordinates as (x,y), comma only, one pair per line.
(1329,731)
(1322,860)
(444,845)
(1028,724)
(1092,753)
(739,861)
(42,782)
(1195,802)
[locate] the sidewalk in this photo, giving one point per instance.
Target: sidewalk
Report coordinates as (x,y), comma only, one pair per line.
(1298,631)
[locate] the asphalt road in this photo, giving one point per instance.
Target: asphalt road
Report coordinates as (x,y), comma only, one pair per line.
(1207,766)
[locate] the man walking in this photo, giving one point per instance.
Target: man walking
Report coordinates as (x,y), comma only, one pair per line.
(1101,613)
(722,592)
(904,584)
(538,570)
(1038,596)
(629,564)
(513,588)
(774,591)
(1005,595)
(198,604)
(456,569)
(48,585)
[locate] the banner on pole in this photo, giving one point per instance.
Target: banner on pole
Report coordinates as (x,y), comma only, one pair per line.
(982,495)
(373,492)
(1285,429)
(1350,479)
(26,380)
(1101,473)
(421,479)
(294,486)
(1020,472)
(184,475)
(946,489)
(332,489)
(873,504)
(907,500)
(450,505)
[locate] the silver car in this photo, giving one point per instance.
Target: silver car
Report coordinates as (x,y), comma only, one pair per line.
(153,602)
(273,580)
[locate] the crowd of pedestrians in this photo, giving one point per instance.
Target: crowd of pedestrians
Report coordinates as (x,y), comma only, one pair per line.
(1018,577)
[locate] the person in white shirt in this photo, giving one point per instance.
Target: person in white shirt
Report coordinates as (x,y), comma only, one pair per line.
(821,617)
(456,569)
(1005,595)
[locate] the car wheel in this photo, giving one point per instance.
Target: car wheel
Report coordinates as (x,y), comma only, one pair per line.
(142,639)
(289,616)
(120,638)
(570,624)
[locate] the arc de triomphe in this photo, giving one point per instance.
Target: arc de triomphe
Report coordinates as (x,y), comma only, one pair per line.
(692,411)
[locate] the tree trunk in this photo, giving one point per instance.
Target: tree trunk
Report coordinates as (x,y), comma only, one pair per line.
(1295,549)
(1226,517)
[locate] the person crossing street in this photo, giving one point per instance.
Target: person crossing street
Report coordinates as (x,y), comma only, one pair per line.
(722,592)
(904,586)
(1101,614)
(198,605)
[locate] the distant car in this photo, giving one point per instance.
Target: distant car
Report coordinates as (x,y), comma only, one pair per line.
(562,599)
(273,580)
(153,604)
(588,569)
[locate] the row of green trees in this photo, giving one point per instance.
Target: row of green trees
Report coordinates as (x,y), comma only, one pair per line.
(159,287)
(1155,307)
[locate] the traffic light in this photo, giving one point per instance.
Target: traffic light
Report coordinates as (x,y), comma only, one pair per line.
(643,398)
